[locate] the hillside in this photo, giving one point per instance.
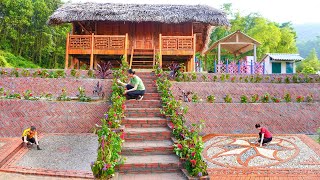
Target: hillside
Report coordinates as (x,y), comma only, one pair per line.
(9,60)
(306,32)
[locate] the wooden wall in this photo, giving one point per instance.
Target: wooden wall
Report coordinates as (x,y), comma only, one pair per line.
(144,33)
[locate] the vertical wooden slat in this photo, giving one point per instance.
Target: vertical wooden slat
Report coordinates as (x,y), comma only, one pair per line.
(91,56)
(131,59)
(194,52)
(126,47)
(160,49)
(67,52)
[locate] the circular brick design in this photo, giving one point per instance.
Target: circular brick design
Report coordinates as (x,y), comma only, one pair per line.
(237,152)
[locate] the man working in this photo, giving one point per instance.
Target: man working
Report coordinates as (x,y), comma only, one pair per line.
(264,135)
(29,136)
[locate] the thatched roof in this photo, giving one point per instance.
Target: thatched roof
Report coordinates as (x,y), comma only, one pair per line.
(138,13)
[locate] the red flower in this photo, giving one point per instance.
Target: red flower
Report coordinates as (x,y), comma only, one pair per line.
(122,136)
(115,115)
(30,94)
(110,123)
(193,153)
(277,100)
(179,146)
(108,166)
(193,162)
(123,106)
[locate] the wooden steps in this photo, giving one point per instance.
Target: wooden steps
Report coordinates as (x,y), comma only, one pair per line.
(142,58)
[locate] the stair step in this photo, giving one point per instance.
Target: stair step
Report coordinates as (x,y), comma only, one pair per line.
(158,176)
(143,104)
(147,134)
(150,164)
(143,112)
(151,96)
(144,122)
(147,148)
(142,57)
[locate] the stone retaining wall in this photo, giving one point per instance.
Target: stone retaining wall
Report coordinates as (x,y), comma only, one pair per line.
(49,117)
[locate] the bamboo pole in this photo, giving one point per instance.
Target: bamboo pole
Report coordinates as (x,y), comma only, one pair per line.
(91,56)
(67,52)
(160,50)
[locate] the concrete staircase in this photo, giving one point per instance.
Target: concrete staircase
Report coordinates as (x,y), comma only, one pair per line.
(148,146)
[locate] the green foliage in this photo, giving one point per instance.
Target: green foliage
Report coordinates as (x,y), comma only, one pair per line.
(195,97)
(63,96)
(299,99)
(3,62)
(29,96)
(16,61)
(243,99)
(287,97)
(211,98)
(309,98)
(318,132)
(110,141)
(310,65)
(254,98)
(273,37)
(24,33)
(265,98)
(275,99)
(228,98)
(82,95)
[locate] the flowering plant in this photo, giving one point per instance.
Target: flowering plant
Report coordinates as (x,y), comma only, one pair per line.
(211,98)
(265,98)
(254,98)
(233,79)
(275,99)
(63,96)
(29,96)
(195,97)
(110,140)
(82,95)
(300,99)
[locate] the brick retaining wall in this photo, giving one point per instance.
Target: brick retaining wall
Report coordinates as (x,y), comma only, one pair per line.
(235,118)
(53,86)
(49,117)
(220,89)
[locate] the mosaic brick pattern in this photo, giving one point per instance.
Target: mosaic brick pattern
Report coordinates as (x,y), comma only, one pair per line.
(241,155)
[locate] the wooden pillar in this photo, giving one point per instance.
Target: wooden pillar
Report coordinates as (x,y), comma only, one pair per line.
(91,56)
(67,52)
(72,62)
(192,63)
(160,49)
(126,45)
(219,56)
(255,52)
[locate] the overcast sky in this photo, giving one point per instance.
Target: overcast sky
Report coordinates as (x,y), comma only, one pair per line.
(296,11)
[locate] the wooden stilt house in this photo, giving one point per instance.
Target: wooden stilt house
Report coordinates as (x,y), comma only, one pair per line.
(139,32)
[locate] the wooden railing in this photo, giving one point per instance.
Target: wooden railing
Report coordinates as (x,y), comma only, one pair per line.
(96,44)
(177,42)
(101,42)
(80,41)
(109,42)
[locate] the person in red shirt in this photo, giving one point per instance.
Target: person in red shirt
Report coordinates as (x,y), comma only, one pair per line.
(264,135)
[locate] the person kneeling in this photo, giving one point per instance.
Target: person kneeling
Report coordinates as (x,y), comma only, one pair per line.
(135,88)
(264,135)
(30,136)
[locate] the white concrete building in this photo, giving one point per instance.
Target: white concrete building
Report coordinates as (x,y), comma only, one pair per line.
(276,63)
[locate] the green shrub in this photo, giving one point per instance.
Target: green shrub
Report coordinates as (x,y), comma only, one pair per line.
(211,98)
(228,98)
(265,98)
(195,97)
(287,97)
(3,62)
(243,99)
(254,98)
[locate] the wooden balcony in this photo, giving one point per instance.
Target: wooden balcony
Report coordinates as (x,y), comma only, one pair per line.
(177,45)
(97,44)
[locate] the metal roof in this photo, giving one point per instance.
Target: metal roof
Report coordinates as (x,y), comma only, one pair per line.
(284,57)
